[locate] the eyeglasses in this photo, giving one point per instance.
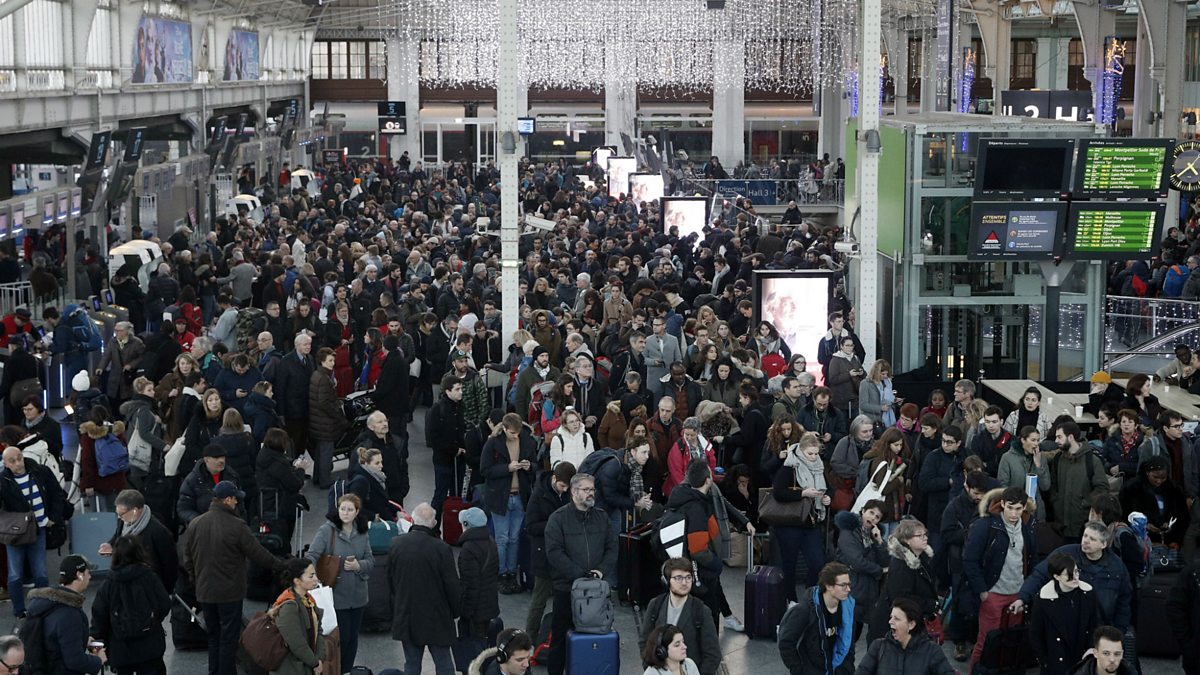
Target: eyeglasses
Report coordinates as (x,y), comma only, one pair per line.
(682,578)
(921,535)
(1175,426)
(845,584)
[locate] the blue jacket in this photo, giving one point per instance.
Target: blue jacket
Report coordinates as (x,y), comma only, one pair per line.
(987,546)
(802,637)
(1108,577)
(64,629)
(228,382)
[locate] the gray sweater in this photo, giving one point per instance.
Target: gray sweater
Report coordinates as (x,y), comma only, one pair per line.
(242,277)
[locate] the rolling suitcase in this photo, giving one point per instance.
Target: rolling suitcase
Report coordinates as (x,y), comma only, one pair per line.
(262,583)
(525,561)
(766,598)
(187,623)
(451,507)
(638,569)
(377,617)
(593,654)
(1006,650)
(1154,634)
(90,530)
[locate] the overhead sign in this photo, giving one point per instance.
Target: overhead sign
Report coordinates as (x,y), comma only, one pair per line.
(392,117)
(757,191)
(1054,105)
(133,144)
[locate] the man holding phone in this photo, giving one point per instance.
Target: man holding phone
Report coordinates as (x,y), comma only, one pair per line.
(506,463)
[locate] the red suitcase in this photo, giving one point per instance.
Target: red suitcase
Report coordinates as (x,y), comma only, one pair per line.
(451,507)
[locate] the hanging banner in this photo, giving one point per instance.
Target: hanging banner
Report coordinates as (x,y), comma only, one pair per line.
(162,52)
(241,56)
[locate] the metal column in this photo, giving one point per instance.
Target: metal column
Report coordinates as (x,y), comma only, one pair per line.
(868,178)
(511,147)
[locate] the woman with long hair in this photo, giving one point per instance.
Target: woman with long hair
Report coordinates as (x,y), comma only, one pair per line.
(131,576)
(1028,414)
(884,456)
(240,454)
(801,477)
(344,536)
(723,385)
(704,366)
(369,482)
(910,575)
(175,392)
(781,436)
(562,396)
(724,339)
(204,428)
(1139,399)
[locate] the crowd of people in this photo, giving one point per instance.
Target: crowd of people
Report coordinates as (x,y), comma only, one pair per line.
(638,384)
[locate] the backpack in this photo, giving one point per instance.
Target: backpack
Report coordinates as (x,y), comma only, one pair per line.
(250,322)
(591,606)
(773,364)
(1139,533)
(592,463)
(668,537)
(340,487)
(1139,285)
(84,330)
(132,617)
(537,398)
(33,636)
(111,455)
(1174,280)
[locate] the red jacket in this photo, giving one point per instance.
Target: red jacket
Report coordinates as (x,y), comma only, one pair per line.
(89,469)
(10,329)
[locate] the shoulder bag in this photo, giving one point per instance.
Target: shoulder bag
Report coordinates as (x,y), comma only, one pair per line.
(17,528)
(786,514)
(329,565)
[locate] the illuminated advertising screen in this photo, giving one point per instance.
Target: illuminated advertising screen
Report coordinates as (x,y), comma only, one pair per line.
(1135,168)
(1122,230)
(162,52)
(17,222)
(48,210)
(76,203)
(1015,230)
(619,169)
(688,215)
(601,154)
(645,187)
(64,207)
(797,304)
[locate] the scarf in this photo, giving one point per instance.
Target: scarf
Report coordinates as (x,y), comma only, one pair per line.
(887,397)
(135,528)
(637,485)
(897,549)
(377,475)
(809,474)
(542,372)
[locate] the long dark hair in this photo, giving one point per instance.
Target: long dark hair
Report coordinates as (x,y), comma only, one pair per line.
(128,550)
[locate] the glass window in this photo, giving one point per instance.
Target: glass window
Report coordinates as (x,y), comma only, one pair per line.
(377,61)
(320,60)
(338,61)
(1024,64)
(358,60)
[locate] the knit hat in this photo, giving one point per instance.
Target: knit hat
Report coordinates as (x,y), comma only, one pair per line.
(214,450)
(1101,377)
(81,382)
(538,351)
(472,517)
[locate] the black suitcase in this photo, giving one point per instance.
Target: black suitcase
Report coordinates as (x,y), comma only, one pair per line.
(638,569)
(1154,634)
(377,618)
(187,621)
(1006,650)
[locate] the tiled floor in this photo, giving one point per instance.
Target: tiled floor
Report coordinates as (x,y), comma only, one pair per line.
(378,651)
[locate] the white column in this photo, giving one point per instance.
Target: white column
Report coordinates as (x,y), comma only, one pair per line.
(832,125)
(1143,88)
(403,84)
(868,179)
(1094,24)
(898,67)
(928,70)
(729,102)
(1062,61)
(510,146)
(620,99)
(1043,74)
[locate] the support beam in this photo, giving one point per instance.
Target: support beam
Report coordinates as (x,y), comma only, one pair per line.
(729,102)
(620,99)
(403,84)
(12,6)
(896,39)
(995,31)
(868,180)
(510,146)
(1165,23)
(1094,25)
(928,70)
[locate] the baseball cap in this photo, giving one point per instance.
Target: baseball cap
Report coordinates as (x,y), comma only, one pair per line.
(457,354)
(226,489)
(71,566)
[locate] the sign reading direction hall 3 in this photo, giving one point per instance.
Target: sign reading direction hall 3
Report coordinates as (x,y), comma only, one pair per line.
(758,191)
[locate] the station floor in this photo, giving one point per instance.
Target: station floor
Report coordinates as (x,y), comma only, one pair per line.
(379,651)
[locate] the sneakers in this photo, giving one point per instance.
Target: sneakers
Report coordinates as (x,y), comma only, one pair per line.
(732,623)
(961,653)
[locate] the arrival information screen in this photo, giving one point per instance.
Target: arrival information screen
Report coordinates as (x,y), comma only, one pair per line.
(1111,231)
(1119,168)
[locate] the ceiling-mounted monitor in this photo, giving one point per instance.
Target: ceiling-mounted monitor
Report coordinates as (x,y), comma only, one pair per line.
(97,150)
(1013,168)
(1119,168)
(1114,230)
(133,144)
(1016,230)
(63,210)
(16,223)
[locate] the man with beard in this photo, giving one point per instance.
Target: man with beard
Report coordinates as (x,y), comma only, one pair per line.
(538,371)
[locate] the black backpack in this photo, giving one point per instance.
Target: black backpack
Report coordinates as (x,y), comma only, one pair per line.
(33,636)
(131,612)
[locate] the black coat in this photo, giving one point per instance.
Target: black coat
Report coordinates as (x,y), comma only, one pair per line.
(159,545)
(374,499)
(240,453)
(696,624)
(493,464)
(543,502)
(1138,495)
(866,562)
(391,390)
(53,498)
(1061,626)
(291,385)
(802,632)
(139,588)
(922,657)
(196,491)
(448,431)
(425,591)
(479,572)
(65,630)
(276,473)
(578,542)
(903,581)
(394,453)
(1183,612)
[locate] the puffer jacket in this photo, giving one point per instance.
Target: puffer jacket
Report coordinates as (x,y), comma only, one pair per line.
(922,657)
(260,414)
(1061,626)
(65,630)
(196,492)
(568,447)
(326,421)
(351,589)
(542,504)
(479,571)
(987,544)
(866,559)
(904,580)
(240,454)
(1108,577)
(89,467)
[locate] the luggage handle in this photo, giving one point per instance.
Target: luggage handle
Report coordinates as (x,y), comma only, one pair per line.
(749,552)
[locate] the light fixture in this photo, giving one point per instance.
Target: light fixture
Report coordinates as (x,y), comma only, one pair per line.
(716,4)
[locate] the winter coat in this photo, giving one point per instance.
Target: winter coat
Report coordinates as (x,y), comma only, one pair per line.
(902,581)
(391,389)
(201,431)
(700,526)
(802,635)
(216,546)
(578,542)
(1139,495)
(425,590)
(228,383)
(240,453)
(680,456)
(159,544)
(842,385)
(866,559)
(279,483)
(326,421)
(493,464)
(89,466)
(1061,626)
(1108,577)
(300,627)
(695,622)
(261,415)
(990,450)
(115,359)
(196,491)
(829,421)
(1015,466)
(988,544)
(611,433)
(350,592)
(1115,455)
(479,575)
(957,519)
(934,484)
(291,385)
(64,629)
(448,431)
(395,461)
(847,457)
(137,588)
(54,499)
(568,447)
(1183,612)
(923,656)
(543,502)
(140,417)
(1072,492)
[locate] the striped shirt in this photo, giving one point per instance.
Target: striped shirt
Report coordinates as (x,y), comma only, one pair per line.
(29,488)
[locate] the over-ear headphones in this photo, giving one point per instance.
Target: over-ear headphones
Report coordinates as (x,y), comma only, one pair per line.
(660,649)
(662,576)
(502,650)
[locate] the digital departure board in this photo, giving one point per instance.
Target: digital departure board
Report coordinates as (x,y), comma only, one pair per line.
(1113,230)
(1123,168)
(1016,230)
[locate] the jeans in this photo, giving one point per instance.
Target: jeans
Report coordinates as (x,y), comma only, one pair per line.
(35,555)
(224,622)
(793,543)
(543,588)
(508,533)
(991,611)
(349,625)
(443,660)
(447,480)
(323,464)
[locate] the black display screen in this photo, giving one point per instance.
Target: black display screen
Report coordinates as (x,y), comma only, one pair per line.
(1016,230)
(1015,168)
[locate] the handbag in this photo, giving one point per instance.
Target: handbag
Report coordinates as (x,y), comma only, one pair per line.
(328,565)
(17,528)
(786,514)
(25,389)
(173,457)
(414,368)
(263,642)
(873,490)
(140,450)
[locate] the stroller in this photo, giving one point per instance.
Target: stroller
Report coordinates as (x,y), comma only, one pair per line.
(357,407)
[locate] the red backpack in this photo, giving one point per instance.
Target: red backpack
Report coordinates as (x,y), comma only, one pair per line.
(774,364)
(1140,287)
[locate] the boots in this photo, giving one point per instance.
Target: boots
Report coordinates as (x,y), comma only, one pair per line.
(508,584)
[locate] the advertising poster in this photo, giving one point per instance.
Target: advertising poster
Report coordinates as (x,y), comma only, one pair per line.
(797,304)
(241,56)
(619,169)
(645,187)
(162,52)
(688,214)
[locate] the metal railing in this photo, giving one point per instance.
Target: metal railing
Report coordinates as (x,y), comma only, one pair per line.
(771,192)
(1131,321)
(20,294)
